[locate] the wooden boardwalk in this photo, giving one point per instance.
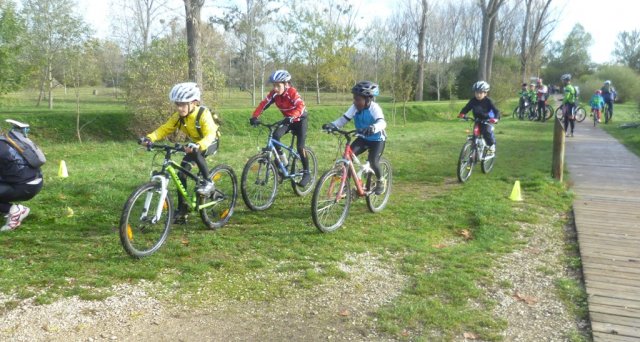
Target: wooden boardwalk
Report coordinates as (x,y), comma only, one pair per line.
(606,181)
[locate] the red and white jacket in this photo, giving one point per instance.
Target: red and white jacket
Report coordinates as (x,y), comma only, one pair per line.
(290,104)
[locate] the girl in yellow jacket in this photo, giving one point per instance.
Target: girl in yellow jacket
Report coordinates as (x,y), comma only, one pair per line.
(198,124)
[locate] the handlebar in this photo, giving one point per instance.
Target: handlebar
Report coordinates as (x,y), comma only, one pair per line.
(475,120)
(346,134)
(167,148)
(271,125)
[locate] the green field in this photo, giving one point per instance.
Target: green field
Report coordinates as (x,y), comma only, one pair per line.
(54,254)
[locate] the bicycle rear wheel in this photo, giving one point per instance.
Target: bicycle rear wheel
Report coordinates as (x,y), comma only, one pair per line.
(607,115)
(217,208)
(548,112)
(581,114)
(515,112)
(376,203)
(559,113)
(487,163)
(331,199)
(141,232)
(259,183)
(465,162)
(297,170)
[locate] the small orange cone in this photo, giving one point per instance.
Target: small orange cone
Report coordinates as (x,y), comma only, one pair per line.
(516,194)
(62,170)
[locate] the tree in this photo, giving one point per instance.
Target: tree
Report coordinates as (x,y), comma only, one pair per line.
(536,30)
(133,21)
(192,10)
(111,61)
(627,49)
(52,27)
(572,56)
(422,34)
(489,14)
(11,29)
(83,66)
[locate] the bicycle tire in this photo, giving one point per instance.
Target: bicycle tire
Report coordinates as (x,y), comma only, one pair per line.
(548,112)
(138,238)
(331,199)
(376,203)
(580,114)
(225,195)
(533,114)
(515,112)
(313,171)
(608,114)
(465,162)
(559,113)
(259,193)
(487,164)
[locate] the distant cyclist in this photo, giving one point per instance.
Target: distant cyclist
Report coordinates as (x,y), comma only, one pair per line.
(569,104)
(597,104)
(542,93)
(609,95)
(483,109)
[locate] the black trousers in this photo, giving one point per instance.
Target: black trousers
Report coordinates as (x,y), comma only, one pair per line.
(299,129)
(199,158)
(16,192)
(375,152)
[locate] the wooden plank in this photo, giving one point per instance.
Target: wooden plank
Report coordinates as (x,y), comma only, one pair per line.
(622,252)
(617,289)
(621,243)
(595,300)
(607,236)
(613,311)
(616,329)
(599,336)
(612,264)
(594,289)
(628,279)
(615,319)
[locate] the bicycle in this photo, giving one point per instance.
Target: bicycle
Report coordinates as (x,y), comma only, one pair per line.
(523,106)
(594,114)
(473,151)
(332,195)
(264,171)
(546,115)
(578,111)
(148,212)
(608,112)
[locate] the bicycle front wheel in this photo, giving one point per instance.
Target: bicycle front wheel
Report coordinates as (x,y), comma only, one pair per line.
(516,112)
(259,183)
(331,199)
(465,162)
(487,163)
(297,170)
(560,113)
(217,208)
(145,222)
(607,115)
(376,203)
(581,114)
(548,112)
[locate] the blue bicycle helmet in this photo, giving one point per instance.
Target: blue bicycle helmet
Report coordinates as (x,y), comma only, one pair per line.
(280,76)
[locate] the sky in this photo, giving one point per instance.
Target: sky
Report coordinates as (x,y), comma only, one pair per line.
(602,19)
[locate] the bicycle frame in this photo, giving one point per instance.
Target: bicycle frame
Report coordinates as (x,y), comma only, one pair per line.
(478,140)
(271,149)
(349,158)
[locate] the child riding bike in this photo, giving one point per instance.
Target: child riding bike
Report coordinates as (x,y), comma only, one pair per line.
(204,138)
(287,99)
(597,103)
(569,104)
(369,121)
(484,109)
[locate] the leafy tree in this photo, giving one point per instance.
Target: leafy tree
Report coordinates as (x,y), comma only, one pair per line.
(12,27)
(627,49)
(571,57)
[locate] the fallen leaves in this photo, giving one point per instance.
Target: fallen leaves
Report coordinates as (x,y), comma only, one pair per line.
(470,336)
(344,313)
(466,234)
(439,246)
(530,300)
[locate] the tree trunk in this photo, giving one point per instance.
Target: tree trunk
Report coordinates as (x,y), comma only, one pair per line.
(422,34)
(484,43)
(317,86)
(192,10)
(489,16)
(490,48)
(523,41)
(50,81)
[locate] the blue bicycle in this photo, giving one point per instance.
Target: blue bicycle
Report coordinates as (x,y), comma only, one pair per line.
(263,172)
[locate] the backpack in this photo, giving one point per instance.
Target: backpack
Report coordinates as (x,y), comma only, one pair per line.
(216,119)
(31,153)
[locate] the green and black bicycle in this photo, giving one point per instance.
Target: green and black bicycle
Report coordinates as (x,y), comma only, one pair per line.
(148,213)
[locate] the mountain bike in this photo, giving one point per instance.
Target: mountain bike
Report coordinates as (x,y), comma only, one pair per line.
(547,112)
(148,212)
(608,112)
(523,107)
(473,151)
(332,196)
(594,114)
(263,172)
(578,111)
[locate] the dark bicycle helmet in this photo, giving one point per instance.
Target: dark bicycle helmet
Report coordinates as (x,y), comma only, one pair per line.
(566,77)
(366,89)
(483,86)
(280,76)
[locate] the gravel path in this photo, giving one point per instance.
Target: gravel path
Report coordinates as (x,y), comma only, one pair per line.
(339,309)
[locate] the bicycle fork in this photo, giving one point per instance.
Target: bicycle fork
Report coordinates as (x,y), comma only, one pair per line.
(163,197)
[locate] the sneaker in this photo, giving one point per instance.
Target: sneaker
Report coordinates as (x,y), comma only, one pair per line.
(306,177)
(566,134)
(179,216)
(379,188)
(491,150)
(572,134)
(16,214)
(205,188)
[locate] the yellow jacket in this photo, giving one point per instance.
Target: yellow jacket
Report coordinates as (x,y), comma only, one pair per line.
(188,126)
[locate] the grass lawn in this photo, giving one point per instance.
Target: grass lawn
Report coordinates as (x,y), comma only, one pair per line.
(55,254)
(630,137)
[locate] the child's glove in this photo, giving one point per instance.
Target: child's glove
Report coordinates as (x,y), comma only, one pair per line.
(328,127)
(193,147)
(254,122)
(369,131)
(461,115)
(288,120)
(493,120)
(145,141)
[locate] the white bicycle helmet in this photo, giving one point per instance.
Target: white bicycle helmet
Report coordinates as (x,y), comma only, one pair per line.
(483,86)
(185,92)
(566,77)
(607,82)
(280,76)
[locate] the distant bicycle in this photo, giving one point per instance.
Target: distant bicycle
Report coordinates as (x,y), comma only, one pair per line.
(148,213)
(579,112)
(474,151)
(608,112)
(524,109)
(263,172)
(332,196)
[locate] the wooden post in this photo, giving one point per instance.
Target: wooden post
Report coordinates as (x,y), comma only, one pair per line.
(557,166)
